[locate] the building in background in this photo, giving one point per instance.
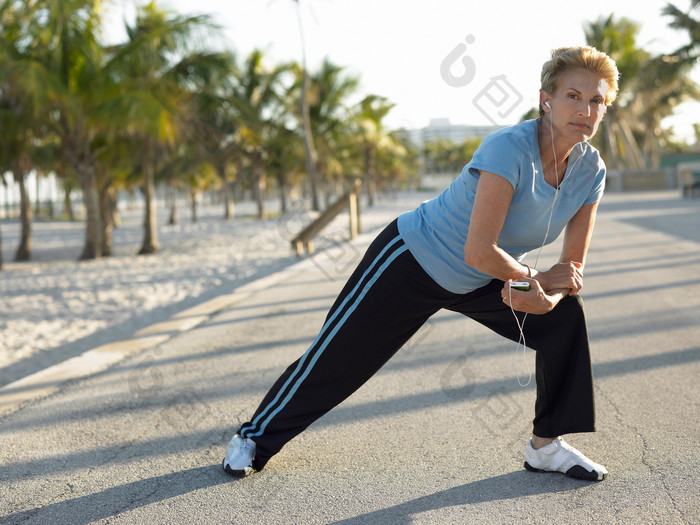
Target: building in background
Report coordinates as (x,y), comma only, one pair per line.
(441,128)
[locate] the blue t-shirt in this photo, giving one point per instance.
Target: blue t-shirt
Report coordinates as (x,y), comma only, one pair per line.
(436,231)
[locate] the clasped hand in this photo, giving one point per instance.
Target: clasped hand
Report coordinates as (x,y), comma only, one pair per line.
(562,276)
(546,288)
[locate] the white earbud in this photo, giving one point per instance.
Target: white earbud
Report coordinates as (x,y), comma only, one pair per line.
(547,104)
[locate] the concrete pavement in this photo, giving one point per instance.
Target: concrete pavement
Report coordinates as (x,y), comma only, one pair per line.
(435,437)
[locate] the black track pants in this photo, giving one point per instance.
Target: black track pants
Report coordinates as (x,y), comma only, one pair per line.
(385,301)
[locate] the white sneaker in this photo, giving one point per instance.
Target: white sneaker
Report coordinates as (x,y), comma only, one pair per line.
(239,457)
(559,456)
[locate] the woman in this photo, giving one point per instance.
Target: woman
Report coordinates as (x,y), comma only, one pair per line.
(461,251)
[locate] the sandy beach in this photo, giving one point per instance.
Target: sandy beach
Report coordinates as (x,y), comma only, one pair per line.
(55,307)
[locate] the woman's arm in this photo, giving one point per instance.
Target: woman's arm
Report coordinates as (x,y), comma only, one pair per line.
(493,197)
(567,275)
(564,278)
(577,236)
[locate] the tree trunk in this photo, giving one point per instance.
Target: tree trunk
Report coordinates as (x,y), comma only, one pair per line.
(93,223)
(226,192)
(172,219)
(614,161)
(107,207)
(37,199)
(651,144)
(369,175)
(67,204)
(193,205)
(24,250)
(228,204)
(261,185)
(283,192)
(150,235)
(171,202)
(636,158)
(8,209)
(311,157)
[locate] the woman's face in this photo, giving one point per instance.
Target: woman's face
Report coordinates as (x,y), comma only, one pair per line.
(578,104)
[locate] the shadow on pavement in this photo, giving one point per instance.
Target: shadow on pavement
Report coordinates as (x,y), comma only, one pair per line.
(507,486)
(123,498)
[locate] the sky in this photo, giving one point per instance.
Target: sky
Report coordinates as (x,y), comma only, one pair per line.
(473,62)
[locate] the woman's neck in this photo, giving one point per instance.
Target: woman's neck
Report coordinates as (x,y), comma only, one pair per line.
(554,157)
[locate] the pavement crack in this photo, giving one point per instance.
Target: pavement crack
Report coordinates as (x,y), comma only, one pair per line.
(136,502)
(673,501)
(645,451)
(621,420)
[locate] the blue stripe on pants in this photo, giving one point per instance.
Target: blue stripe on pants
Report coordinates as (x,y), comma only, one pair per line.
(312,355)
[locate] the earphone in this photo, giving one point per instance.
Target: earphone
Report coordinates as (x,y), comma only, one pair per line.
(521,326)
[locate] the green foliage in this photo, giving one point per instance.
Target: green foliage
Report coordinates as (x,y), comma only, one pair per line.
(165,104)
(689,22)
(445,156)
(651,88)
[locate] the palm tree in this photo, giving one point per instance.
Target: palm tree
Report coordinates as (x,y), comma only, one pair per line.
(329,92)
(285,160)
(23,138)
(651,87)
(189,169)
(214,125)
(115,169)
(368,115)
(305,118)
(259,101)
(15,150)
(663,84)
(617,38)
(685,21)
(58,73)
(14,133)
(153,76)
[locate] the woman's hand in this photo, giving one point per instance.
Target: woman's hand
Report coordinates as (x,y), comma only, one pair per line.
(564,275)
(534,301)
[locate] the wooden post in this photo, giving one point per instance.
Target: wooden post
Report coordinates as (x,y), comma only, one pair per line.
(350,200)
(352,209)
(358,212)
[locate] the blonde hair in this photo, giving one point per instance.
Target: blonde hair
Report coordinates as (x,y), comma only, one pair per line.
(586,57)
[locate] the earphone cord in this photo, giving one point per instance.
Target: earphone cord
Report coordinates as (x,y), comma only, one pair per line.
(521,325)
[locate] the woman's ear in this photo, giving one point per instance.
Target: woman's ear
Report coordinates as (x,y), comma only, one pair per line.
(544,101)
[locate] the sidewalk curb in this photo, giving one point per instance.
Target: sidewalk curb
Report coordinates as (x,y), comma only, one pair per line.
(49,380)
